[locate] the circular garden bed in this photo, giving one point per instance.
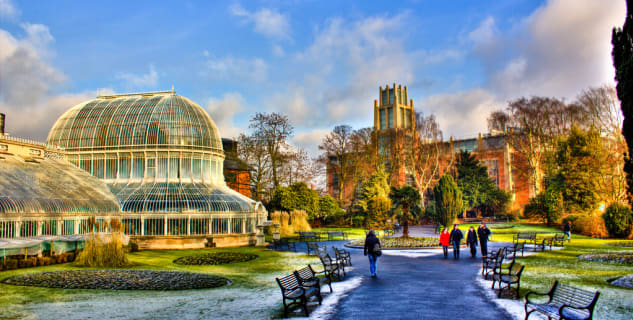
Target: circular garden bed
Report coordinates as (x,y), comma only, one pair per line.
(397,242)
(618,258)
(118,280)
(215,258)
(626,281)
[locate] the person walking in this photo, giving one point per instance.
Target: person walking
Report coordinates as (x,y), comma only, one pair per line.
(567,230)
(471,240)
(456,238)
(484,233)
(372,250)
(445,240)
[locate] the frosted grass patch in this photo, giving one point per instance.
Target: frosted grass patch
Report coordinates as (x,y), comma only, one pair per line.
(512,307)
(340,290)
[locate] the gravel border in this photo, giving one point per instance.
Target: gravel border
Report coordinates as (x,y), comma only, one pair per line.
(118,280)
(615,258)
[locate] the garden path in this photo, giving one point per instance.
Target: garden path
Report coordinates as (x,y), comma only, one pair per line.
(417,284)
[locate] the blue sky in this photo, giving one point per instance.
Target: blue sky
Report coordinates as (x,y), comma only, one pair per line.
(319,62)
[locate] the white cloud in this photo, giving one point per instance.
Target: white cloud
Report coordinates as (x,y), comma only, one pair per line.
(25,76)
(560,49)
(267,22)
(139,81)
(462,114)
(236,69)
(310,140)
(8,10)
(223,112)
(278,51)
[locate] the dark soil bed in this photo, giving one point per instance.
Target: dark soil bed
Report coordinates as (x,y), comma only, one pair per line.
(215,258)
(624,243)
(397,242)
(619,258)
(118,280)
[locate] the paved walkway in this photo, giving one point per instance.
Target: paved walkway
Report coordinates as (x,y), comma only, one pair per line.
(417,287)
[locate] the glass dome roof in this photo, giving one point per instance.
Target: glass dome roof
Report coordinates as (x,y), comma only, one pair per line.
(159,120)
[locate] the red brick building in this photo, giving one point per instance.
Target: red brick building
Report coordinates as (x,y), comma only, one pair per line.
(394,119)
(236,172)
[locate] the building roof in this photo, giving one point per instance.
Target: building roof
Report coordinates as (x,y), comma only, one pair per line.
(154,120)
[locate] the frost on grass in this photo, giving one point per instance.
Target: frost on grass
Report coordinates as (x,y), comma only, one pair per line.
(513,307)
(327,308)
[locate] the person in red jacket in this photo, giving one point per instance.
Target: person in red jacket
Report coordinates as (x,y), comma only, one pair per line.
(445,239)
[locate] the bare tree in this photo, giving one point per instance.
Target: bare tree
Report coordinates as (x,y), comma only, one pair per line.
(534,126)
(337,154)
(603,109)
(498,121)
(272,131)
(254,154)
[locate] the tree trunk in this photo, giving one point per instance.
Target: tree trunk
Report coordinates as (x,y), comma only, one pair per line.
(405,225)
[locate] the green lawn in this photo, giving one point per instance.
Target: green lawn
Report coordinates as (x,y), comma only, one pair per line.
(257,276)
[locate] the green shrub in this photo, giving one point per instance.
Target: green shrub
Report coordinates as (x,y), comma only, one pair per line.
(618,219)
(377,215)
(512,215)
(358,221)
(132,247)
(448,200)
(546,206)
(591,225)
(11,264)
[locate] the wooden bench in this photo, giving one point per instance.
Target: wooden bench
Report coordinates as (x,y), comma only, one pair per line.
(332,268)
(342,255)
(529,237)
(491,262)
(517,247)
(293,291)
(308,278)
(511,276)
(331,235)
(313,247)
(565,302)
(308,236)
(558,240)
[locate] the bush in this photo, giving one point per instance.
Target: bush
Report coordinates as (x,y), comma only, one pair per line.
(618,219)
(358,221)
(512,215)
(11,264)
(132,247)
(546,206)
(591,225)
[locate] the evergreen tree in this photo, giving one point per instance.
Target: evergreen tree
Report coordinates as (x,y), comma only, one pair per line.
(622,40)
(448,200)
(407,199)
(376,186)
(473,181)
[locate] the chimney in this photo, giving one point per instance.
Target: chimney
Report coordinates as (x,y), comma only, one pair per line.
(1,124)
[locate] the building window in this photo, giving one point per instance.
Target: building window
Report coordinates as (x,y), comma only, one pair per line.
(407,120)
(382,119)
(390,117)
(402,118)
(384,97)
(493,170)
(390,96)
(406,99)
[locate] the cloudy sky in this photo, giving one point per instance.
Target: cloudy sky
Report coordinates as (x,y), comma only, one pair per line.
(319,62)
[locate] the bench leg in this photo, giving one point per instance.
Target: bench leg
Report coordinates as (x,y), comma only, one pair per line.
(304,305)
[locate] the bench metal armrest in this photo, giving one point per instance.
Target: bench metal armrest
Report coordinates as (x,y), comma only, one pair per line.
(566,306)
(527,296)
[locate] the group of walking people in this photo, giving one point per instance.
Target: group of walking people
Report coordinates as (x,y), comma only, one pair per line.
(473,238)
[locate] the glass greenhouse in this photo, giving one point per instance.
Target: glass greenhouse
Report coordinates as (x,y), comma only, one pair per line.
(158,157)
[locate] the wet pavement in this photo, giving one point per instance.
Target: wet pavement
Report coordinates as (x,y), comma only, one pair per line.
(416,284)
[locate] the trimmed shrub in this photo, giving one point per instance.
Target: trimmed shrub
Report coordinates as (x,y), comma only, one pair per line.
(448,200)
(358,221)
(377,215)
(591,225)
(546,206)
(618,219)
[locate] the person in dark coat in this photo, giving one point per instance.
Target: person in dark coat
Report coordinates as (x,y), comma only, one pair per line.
(483,232)
(471,240)
(567,230)
(456,238)
(371,245)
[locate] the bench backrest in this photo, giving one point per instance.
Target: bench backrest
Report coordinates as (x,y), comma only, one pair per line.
(305,273)
(288,282)
(516,269)
(575,297)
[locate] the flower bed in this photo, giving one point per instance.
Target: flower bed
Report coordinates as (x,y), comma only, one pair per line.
(625,243)
(118,280)
(619,258)
(500,226)
(397,242)
(215,258)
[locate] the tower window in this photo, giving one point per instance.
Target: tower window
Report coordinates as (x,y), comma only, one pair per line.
(382,119)
(390,112)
